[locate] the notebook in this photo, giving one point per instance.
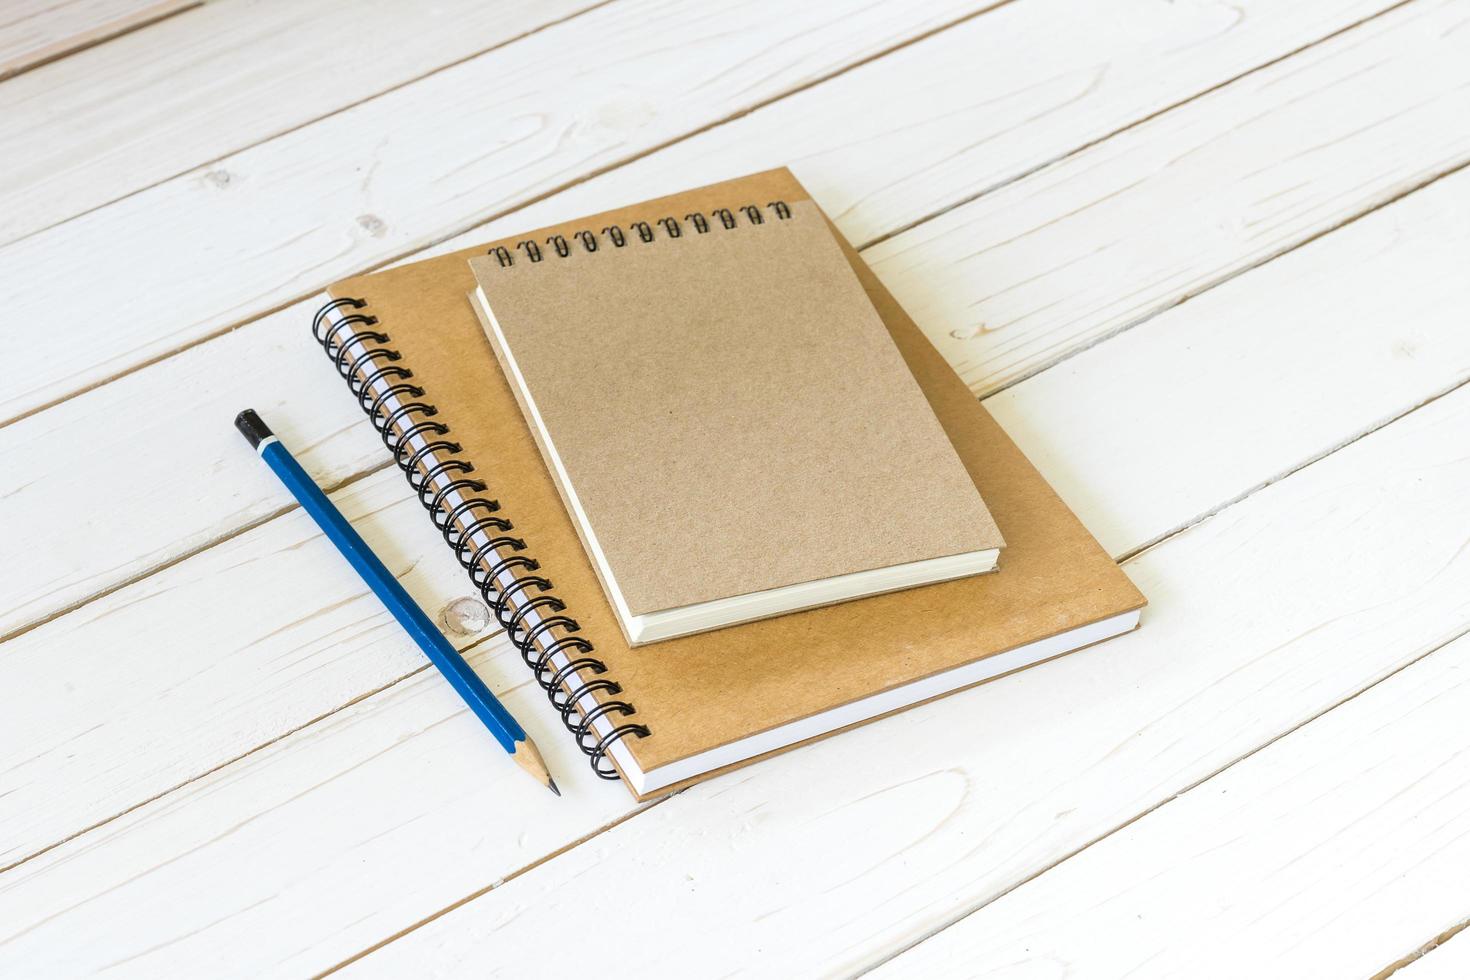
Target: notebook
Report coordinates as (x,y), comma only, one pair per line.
(724,412)
(663,716)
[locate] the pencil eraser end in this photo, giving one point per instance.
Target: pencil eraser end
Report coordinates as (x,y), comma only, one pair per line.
(252,428)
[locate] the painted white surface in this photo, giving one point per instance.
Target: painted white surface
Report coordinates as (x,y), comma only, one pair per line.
(231,762)
(377,180)
(1184,200)
(813,129)
(33,32)
(1261,618)
(1327,850)
(118,118)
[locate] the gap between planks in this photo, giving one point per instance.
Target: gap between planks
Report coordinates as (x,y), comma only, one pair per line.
(1232,763)
(1205,515)
(1422,951)
(478,892)
(236,758)
(360,474)
(308,723)
(1133,124)
(101,34)
(968,199)
(425,247)
(1433,649)
(704,128)
(496,216)
(1368,430)
(1186,297)
(277,135)
(1133,553)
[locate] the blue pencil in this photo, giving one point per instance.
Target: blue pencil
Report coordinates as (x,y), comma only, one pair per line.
(511,736)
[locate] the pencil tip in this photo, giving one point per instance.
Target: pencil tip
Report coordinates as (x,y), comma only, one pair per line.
(528,758)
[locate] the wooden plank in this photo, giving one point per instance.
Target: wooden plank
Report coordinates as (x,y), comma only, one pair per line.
(1187,200)
(119,118)
(1262,618)
(133,414)
(229,674)
(178,411)
(298,376)
(1266,604)
(266,226)
(411,756)
(949,119)
(375,198)
(1363,314)
(1327,853)
(34,32)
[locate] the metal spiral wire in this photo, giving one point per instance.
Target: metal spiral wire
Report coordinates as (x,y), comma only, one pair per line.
(641,231)
(524,606)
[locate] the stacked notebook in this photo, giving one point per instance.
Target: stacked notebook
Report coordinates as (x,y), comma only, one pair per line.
(720,491)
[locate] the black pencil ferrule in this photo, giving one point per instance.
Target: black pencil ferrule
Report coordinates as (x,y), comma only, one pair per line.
(252,428)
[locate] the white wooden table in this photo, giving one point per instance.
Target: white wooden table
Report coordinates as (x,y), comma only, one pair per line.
(1208,263)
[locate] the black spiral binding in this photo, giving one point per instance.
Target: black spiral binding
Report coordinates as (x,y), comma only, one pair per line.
(525,607)
(639,231)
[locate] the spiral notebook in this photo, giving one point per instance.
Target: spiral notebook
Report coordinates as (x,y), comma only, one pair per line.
(416,358)
(723,410)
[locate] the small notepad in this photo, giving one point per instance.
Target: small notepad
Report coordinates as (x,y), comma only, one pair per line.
(729,422)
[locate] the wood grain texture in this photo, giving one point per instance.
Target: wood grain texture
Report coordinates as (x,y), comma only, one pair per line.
(332,807)
(951,118)
(1264,605)
(215,488)
(1333,848)
(209,248)
(333,441)
(1188,199)
(1339,337)
(1259,619)
(170,677)
(870,193)
(296,788)
(116,119)
(33,32)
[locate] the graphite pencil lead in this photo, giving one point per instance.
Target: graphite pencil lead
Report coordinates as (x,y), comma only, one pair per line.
(529,758)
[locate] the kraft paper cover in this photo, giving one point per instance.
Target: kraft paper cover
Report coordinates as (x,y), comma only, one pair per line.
(702,691)
(731,411)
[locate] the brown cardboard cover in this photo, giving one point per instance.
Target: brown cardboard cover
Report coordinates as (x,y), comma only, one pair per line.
(730,411)
(702,691)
